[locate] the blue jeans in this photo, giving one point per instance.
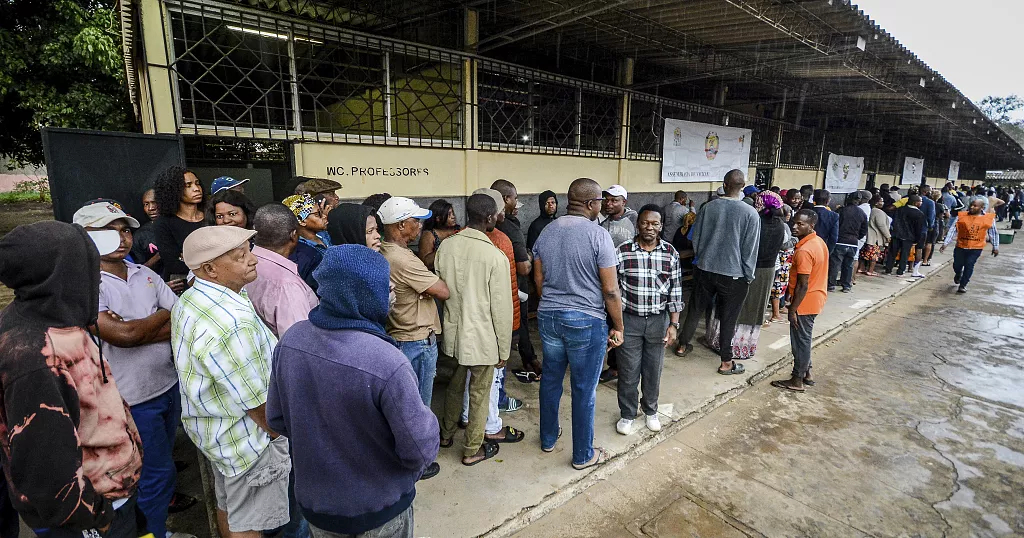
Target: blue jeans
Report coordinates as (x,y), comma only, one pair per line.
(963,263)
(578,342)
(157,421)
(423,356)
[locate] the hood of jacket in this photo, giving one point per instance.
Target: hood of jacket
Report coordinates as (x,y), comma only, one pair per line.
(54,270)
(354,288)
(346,224)
(542,200)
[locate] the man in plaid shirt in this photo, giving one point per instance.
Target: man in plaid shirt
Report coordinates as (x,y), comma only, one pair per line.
(652,297)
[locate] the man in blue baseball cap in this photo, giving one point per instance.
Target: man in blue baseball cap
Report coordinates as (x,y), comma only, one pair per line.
(224,183)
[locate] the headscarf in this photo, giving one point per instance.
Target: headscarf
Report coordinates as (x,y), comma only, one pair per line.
(302,205)
(354,286)
(767,200)
(346,224)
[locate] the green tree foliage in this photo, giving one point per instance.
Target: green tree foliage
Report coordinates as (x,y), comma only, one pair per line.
(1001,109)
(60,66)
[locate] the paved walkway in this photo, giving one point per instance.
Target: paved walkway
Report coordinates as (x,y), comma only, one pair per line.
(521,484)
(915,428)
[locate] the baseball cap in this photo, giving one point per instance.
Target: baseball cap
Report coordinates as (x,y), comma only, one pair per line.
(225,182)
(398,208)
(317,186)
(499,200)
(720,191)
(750,189)
(615,190)
(97,214)
(209,242)
(106,241)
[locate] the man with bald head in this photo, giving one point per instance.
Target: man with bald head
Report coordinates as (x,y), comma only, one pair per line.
(576,279)
(725,240)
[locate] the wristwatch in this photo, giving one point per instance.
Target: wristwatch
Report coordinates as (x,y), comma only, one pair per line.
(675,324)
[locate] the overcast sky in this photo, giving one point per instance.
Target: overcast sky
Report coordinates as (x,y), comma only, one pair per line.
(976,45)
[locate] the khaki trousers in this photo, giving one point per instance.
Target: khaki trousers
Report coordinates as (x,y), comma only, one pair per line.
(479,397)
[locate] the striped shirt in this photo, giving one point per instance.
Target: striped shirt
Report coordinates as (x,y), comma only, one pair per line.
(222,354)
(651,282)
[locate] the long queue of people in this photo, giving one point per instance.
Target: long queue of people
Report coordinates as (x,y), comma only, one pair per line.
(297,343)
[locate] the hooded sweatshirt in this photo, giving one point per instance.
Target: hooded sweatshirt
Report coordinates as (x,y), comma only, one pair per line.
(349,403)
(70,446)
(541,222)
(346,224)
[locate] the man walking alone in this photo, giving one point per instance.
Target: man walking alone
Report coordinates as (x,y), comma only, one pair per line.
(970,230)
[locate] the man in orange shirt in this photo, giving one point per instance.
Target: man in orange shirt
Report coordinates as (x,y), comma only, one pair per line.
(970,231)
(808,281)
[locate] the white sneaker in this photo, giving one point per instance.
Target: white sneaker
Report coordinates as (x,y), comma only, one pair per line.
(653,423)
(624,426)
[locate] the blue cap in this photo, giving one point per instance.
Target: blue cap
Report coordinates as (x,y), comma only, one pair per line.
(225,182)
(750,189)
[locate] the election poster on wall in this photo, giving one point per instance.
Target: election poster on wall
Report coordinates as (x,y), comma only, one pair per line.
(843,173)
(954,171)
(697,152)
(913,171)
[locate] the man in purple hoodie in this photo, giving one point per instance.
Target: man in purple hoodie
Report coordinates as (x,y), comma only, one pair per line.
(349,402)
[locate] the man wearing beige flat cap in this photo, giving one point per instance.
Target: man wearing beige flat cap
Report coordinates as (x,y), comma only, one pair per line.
(222,353)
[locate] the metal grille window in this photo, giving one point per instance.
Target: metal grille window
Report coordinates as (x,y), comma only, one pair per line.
(523,110)
(647,123)
(239,71)
(801,150)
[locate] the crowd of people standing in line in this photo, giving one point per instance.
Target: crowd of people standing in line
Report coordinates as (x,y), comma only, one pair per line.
(238,323)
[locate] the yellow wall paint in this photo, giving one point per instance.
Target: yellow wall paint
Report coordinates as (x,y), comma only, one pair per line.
(161,105)
(794,179)
(365,170)
(535,173)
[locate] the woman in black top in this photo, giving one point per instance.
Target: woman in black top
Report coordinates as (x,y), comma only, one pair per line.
(230,208)
(440,226)
(181,200)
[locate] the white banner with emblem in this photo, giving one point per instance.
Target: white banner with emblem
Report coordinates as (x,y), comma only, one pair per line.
(913,171)
(843,173)
(698,152)
(954,171)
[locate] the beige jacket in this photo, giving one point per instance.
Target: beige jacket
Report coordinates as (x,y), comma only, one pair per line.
(878,228)
(478,314)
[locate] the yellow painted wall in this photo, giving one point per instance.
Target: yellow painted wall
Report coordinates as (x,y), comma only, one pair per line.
(794,179)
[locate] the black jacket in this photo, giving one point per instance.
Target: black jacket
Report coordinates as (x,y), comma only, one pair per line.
(909,224)
(853,225)
(773,234)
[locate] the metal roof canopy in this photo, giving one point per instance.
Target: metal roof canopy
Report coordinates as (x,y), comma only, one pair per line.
(820,64)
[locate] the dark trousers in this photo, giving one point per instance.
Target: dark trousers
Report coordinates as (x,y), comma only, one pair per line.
(10,525)
(902,246)
(641,357)
(800,338)
(125,525)
(841,264)
(526,352)
(727,293)
(963,263)
(157,421)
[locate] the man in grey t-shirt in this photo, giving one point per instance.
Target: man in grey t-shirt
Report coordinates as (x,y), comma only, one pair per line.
(674,213)
(576,278)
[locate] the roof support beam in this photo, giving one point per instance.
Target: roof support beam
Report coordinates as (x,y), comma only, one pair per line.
(537,27)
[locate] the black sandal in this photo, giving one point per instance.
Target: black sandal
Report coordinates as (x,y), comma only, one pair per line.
(489,451)
(784,384)
(447,443)
(525,376)
(736,369)
(512,435)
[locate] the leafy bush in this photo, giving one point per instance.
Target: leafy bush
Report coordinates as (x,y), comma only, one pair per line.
(28,191)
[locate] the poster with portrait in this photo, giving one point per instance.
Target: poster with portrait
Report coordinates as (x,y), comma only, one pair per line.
(913,171)
(698,152)
(954,171)
(843,173)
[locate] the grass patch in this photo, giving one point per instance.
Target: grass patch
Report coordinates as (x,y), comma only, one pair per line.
(21,197)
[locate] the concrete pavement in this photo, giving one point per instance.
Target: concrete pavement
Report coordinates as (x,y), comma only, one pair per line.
(916,428)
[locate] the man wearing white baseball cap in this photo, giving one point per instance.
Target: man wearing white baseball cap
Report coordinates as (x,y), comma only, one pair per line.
(134,325)
(619,220)
(222,353)
(413,321)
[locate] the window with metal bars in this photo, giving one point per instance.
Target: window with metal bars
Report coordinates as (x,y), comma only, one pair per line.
(238,72)
(525,111)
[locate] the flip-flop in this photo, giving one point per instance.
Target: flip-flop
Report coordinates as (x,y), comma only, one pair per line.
(783,385)
(447,443)
(735,370)
(490,450)
(552,449)
(512,435)
(525,376)
(600,456)
(683,351)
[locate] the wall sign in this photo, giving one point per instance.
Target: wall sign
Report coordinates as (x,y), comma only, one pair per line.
(700,152)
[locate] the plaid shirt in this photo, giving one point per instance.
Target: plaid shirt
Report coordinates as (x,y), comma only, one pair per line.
(650,281)
(222,353)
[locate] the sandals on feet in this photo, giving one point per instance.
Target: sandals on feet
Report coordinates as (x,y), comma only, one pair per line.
(487,450)
(785,384)
(600,456)
(447,443)
(552,448)
(511,435)
(736,369)
(525,376)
